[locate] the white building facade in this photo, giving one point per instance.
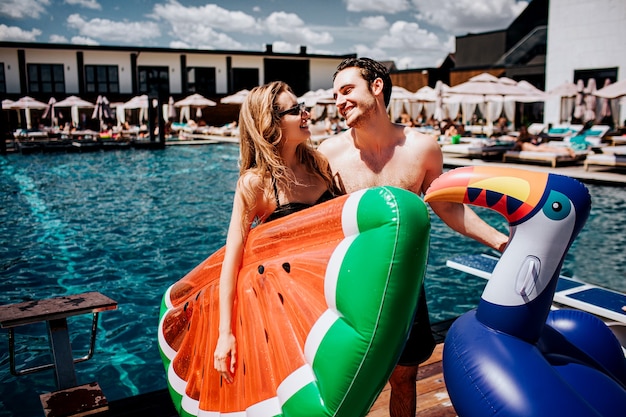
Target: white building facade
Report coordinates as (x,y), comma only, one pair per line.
(584,38)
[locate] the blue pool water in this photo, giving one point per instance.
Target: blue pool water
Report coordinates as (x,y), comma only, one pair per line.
(130,223)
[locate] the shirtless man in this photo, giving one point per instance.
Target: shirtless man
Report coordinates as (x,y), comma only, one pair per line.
(376,152)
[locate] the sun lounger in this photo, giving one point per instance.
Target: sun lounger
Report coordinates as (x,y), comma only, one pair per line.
(552,158)
(561,131)
(569,292)
(478,150)
(536,128)
(612,160)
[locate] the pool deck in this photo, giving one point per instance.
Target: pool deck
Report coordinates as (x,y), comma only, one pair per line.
(432,397)
(600,175)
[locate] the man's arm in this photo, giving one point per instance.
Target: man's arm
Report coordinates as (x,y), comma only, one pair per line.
(464,220)
(461,217)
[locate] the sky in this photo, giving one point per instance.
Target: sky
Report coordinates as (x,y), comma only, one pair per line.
(413,33)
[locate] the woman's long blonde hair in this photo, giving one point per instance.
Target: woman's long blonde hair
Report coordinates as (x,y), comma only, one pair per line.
(261,139)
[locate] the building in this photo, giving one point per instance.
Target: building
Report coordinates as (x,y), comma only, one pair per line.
(585,41)
(54,70)
(550,43)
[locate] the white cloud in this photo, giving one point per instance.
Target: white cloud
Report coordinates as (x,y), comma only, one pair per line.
(20,9)
(57,39)
(387,6)
(292,29)
(285,47)
(210,15)
(374,23)
(203,27)
(179,45)
(409,36)
(409,45)
(89,4)
(200,36)
(83,40)
(110,31)
(16,34)
(462,16)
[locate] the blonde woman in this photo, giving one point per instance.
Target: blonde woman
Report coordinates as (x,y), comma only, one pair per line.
(280,173)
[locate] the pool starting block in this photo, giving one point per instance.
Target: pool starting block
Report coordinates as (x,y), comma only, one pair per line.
(69,399)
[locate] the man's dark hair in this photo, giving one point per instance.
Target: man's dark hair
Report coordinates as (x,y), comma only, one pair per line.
(370,70)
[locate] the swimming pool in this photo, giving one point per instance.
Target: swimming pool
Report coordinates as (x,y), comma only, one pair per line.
(130,223)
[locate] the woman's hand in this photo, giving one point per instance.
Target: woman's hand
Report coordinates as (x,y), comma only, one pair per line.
(226,348)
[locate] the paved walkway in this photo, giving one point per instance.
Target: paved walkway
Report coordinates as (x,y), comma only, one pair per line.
(594,175)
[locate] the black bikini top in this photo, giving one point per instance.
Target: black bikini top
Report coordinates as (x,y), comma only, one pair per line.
(289,208)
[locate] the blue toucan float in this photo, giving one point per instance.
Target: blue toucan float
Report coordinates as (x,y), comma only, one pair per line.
(513,356)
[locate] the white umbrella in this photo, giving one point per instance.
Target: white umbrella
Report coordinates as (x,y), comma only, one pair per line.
(567,93)
(138,102)
(237,98)
(579,105)
(120,114)
(49,112)
(399,101)
(171,110)
(590,101)
(74,103)
(425,94)
(27,103)
(440,113)
(567,89)
(102,111)
(533,94)
(615,90)
(605,105)
(195,100)
(486,84)
(319,96)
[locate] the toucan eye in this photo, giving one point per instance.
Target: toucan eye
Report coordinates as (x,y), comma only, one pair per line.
(558,206)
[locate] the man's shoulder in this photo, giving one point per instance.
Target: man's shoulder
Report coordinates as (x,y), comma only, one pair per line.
(420,140)
(335,143)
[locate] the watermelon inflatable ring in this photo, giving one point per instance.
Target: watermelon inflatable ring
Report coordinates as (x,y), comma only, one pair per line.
(324,303)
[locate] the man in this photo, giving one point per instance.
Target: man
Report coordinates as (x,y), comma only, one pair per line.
(375,152)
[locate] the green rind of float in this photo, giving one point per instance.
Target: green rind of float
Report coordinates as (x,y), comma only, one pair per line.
(305,402)
(162,311)
(392,243)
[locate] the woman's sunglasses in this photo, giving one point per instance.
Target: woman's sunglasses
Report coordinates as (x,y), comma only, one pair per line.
(294,111)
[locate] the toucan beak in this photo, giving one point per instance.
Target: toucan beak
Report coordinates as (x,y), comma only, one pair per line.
(512,192)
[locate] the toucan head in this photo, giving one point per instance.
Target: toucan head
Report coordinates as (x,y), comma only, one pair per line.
(517,194)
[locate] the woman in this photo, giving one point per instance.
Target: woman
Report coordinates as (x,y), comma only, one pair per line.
(527,142)
(280,173)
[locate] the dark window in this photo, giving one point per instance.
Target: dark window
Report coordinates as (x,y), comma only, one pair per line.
(3,84)
(154,81)
(101,79)
(245,78)
(294,72)
(46,78)
(201,80)
(599,74)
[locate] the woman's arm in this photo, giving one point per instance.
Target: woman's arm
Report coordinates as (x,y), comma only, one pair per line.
(235,240)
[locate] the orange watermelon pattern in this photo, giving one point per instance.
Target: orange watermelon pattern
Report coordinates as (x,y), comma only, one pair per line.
(325,299)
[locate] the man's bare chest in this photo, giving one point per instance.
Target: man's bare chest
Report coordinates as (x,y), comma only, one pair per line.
(360,176)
